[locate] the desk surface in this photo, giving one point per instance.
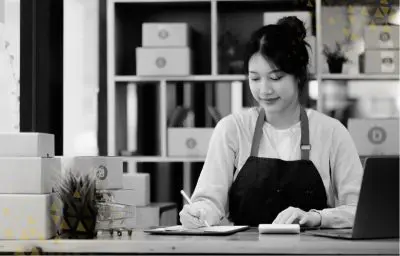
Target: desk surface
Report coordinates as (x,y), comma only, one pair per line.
(248,242)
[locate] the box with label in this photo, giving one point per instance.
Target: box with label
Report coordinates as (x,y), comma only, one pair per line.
(108,170)
(163,61)
(26,217)
(188,141)
(381,62)
(381,37)
(26,144)
(274,17)
(28,175)
(165,35)
(375,136)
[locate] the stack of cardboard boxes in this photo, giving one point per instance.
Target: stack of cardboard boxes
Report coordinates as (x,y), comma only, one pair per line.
(381,50)
(165,50)
(28,170)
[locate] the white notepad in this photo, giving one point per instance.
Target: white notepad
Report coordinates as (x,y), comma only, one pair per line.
(279,228)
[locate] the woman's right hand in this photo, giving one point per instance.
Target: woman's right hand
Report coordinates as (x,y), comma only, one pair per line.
(193,215)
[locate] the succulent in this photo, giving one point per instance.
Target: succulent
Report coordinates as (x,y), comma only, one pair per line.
(336,55)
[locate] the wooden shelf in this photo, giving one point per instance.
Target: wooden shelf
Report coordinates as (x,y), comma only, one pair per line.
(194,78)
(359,77)
(158,159)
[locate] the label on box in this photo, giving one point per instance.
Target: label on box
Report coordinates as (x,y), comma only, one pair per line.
(385,40)
(388,63)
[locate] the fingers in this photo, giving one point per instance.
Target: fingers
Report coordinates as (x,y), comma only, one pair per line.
(192,217)
(289,216)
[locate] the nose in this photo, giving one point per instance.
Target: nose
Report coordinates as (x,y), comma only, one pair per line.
(265,88)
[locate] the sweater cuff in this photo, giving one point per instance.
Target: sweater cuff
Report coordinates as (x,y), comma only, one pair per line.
(322,224)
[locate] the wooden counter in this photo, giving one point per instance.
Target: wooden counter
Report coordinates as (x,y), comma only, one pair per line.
(247,242)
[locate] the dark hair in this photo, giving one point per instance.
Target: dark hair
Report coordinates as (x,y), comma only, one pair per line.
(282,44)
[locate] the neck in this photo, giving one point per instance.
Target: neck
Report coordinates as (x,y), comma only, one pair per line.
(285,118)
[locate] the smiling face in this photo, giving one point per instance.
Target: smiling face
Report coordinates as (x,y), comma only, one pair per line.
(275,90)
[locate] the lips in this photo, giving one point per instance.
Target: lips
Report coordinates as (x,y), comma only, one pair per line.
(269,100)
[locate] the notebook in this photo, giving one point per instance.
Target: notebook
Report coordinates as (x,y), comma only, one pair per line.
(207,231)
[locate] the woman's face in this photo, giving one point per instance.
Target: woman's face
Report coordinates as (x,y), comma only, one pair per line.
(272,88)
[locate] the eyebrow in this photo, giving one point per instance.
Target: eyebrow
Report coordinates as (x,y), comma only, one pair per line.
(270,72)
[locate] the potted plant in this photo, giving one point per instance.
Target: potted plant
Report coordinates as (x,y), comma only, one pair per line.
(335,58)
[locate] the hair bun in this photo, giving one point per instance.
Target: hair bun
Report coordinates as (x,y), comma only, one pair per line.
(295,25)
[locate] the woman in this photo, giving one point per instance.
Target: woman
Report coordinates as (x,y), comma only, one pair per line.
(277,163)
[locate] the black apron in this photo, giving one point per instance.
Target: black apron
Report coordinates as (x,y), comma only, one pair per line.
(266,186)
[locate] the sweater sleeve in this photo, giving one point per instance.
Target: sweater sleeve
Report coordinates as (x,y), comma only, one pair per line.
(217,174)
(346,172)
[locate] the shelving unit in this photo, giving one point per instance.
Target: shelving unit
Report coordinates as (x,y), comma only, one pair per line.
(210,19)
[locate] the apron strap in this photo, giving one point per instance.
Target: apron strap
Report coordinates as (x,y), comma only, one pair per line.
(305,135)
(257,133)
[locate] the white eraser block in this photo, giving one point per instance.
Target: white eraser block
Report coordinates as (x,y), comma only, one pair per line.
(26,217)
(26,144)
(279,228)
(108,170)
(28,175)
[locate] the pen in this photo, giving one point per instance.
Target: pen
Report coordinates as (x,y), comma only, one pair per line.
(190,202)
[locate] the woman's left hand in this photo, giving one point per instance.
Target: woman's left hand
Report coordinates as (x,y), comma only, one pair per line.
(292,215)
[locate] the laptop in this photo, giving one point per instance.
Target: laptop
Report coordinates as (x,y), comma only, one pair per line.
(377,214)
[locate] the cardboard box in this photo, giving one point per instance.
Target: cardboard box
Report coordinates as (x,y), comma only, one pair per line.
(381,37)
(108,170)
(26,216)
(165,35)
(155,214)
(28,175)
(163,61)
(189,141)
(274,17)
(381,62)
(26,144)
(138,185)
(375,136)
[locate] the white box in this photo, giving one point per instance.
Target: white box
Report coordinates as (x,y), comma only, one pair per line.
(381,62)
(138,185)
(165,35)
(375,136)
(27,144)
(381,37)
(108,170)
(274,17)
(163,61)
(189,141)
(28,175)
(155,214)
(26,216)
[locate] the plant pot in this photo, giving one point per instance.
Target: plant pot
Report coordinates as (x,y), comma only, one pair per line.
(335,67)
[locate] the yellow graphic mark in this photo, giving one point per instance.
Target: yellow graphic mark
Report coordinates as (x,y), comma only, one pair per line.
(64,225)
(310,3)
(25,235)
(346,31)
(9,233)
(350,9)
(354,37)
(31,221)
(384,2)
(386,28)
(81,227)
(6,212)
(364,11)
(352,18)
(332,21)
(77,195)
(372,25)
(378,14)
(56,219)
